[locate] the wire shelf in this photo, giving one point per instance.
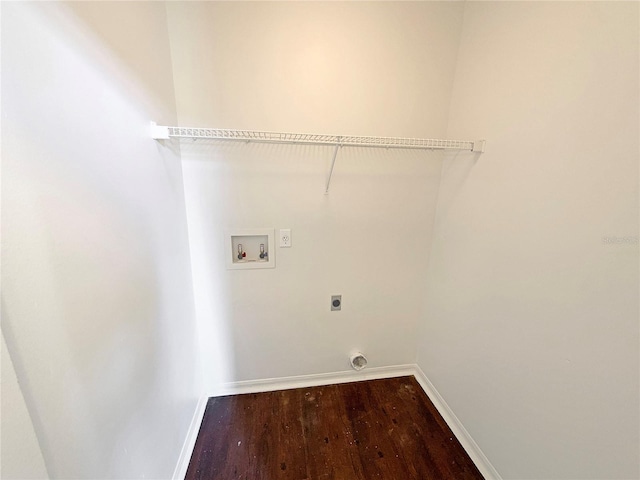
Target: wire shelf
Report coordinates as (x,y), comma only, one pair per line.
(337,141)
(315,139)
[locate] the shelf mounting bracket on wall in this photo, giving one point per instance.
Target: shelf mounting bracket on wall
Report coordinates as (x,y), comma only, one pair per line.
(333,163)
(158,132)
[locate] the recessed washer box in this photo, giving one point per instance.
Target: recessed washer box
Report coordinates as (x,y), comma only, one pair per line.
(250,248)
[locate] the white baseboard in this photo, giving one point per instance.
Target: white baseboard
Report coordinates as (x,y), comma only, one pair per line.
(302,381)
(467,442)
(190,441)
(314,380)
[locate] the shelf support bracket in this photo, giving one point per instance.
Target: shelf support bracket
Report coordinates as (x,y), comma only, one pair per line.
(478,146)
(333,163)
(158,132)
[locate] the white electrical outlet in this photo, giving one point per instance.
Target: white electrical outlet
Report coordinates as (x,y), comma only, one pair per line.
(285,237)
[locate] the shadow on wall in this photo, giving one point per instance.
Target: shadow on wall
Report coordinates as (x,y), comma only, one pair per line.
(456,168)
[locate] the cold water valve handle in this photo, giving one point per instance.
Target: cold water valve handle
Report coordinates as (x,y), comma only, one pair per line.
(263,254)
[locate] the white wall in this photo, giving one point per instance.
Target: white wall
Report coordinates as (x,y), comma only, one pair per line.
(358,68)
(532,327)
(97,303)
(21,457)
(345,68)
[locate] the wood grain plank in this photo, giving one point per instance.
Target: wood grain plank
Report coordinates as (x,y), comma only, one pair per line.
(377,429)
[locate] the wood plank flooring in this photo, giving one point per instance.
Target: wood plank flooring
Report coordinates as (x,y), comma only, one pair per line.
(377,429)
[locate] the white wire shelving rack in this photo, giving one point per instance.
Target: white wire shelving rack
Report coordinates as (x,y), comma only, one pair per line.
(337,141)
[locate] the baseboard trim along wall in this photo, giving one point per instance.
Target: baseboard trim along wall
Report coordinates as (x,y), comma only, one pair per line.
(468,443)
(302,381)
(190,441)
(285,383)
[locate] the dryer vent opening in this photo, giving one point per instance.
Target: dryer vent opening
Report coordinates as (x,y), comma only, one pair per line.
(358,361)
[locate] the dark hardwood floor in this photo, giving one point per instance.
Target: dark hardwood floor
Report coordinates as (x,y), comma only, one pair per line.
(377,429)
